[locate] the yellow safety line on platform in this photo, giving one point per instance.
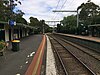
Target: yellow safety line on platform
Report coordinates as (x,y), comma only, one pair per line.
(38,61)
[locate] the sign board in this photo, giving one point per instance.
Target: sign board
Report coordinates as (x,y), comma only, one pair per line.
(12,23)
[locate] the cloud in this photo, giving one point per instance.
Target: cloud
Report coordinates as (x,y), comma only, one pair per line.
(42,9)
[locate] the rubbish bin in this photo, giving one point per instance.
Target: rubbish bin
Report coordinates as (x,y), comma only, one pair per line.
(15,45)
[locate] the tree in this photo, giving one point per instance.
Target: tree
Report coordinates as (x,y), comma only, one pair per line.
(69,24)
(34,22)
(59,28)
(2,11)
(19,17)
(38,25)
(88,12)
(6,9)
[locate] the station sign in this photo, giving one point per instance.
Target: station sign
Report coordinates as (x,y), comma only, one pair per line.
(11,23)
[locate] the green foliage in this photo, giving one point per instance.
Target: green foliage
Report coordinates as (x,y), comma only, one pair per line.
(6,9)
(34,22)
(59,28)
(38,25)
(50,29)
(2,11)
(2,44)
(7,13)
(19,18)
(69,24)
(89,11)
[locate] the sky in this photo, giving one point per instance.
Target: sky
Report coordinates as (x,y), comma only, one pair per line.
(43,9)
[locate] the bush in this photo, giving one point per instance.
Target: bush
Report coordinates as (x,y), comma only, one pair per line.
(2,44)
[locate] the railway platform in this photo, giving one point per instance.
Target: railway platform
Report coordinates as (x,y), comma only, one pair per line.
(95,39)
(35,57)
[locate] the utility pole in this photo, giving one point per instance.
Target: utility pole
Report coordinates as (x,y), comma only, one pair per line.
(43,26)
(11,17)
(77,19)
(70,11)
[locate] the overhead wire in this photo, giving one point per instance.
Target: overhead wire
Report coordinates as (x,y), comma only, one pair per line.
(63,4)
(61,8)
(70,6)
(57,4)
(56,8)
(75,2)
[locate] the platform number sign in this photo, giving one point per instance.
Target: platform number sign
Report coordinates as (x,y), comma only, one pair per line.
(12,23)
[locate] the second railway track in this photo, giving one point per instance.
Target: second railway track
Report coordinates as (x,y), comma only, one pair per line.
(71,64)
(87,55)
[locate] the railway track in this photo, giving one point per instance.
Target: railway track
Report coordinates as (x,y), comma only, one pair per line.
(86,49)
(89,57)
(72,65)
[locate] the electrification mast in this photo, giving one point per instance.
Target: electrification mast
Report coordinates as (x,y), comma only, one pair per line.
(70,11)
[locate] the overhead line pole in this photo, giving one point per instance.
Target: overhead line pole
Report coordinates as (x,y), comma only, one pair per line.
(69,11)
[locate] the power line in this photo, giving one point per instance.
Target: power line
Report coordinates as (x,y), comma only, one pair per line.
(70,5)
(56,8)
(75,2)
(61,7)
(63,4)
(57,4)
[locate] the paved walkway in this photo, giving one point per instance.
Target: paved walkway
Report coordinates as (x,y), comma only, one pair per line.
(16,63)
(28,60)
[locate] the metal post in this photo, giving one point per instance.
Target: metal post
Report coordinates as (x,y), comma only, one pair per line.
(70,11)
(77,19)
(54,27)
(43,28)
(43,22)
(11,17)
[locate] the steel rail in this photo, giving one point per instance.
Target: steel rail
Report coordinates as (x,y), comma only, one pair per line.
(60,59)
(76,57)
(71,43)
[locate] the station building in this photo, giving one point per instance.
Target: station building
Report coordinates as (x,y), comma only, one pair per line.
(8,33)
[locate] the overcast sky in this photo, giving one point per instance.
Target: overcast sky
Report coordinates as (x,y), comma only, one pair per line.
(42,9)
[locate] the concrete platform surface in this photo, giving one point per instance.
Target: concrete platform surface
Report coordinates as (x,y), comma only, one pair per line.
(50,60)
(16,63)
(95,39)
